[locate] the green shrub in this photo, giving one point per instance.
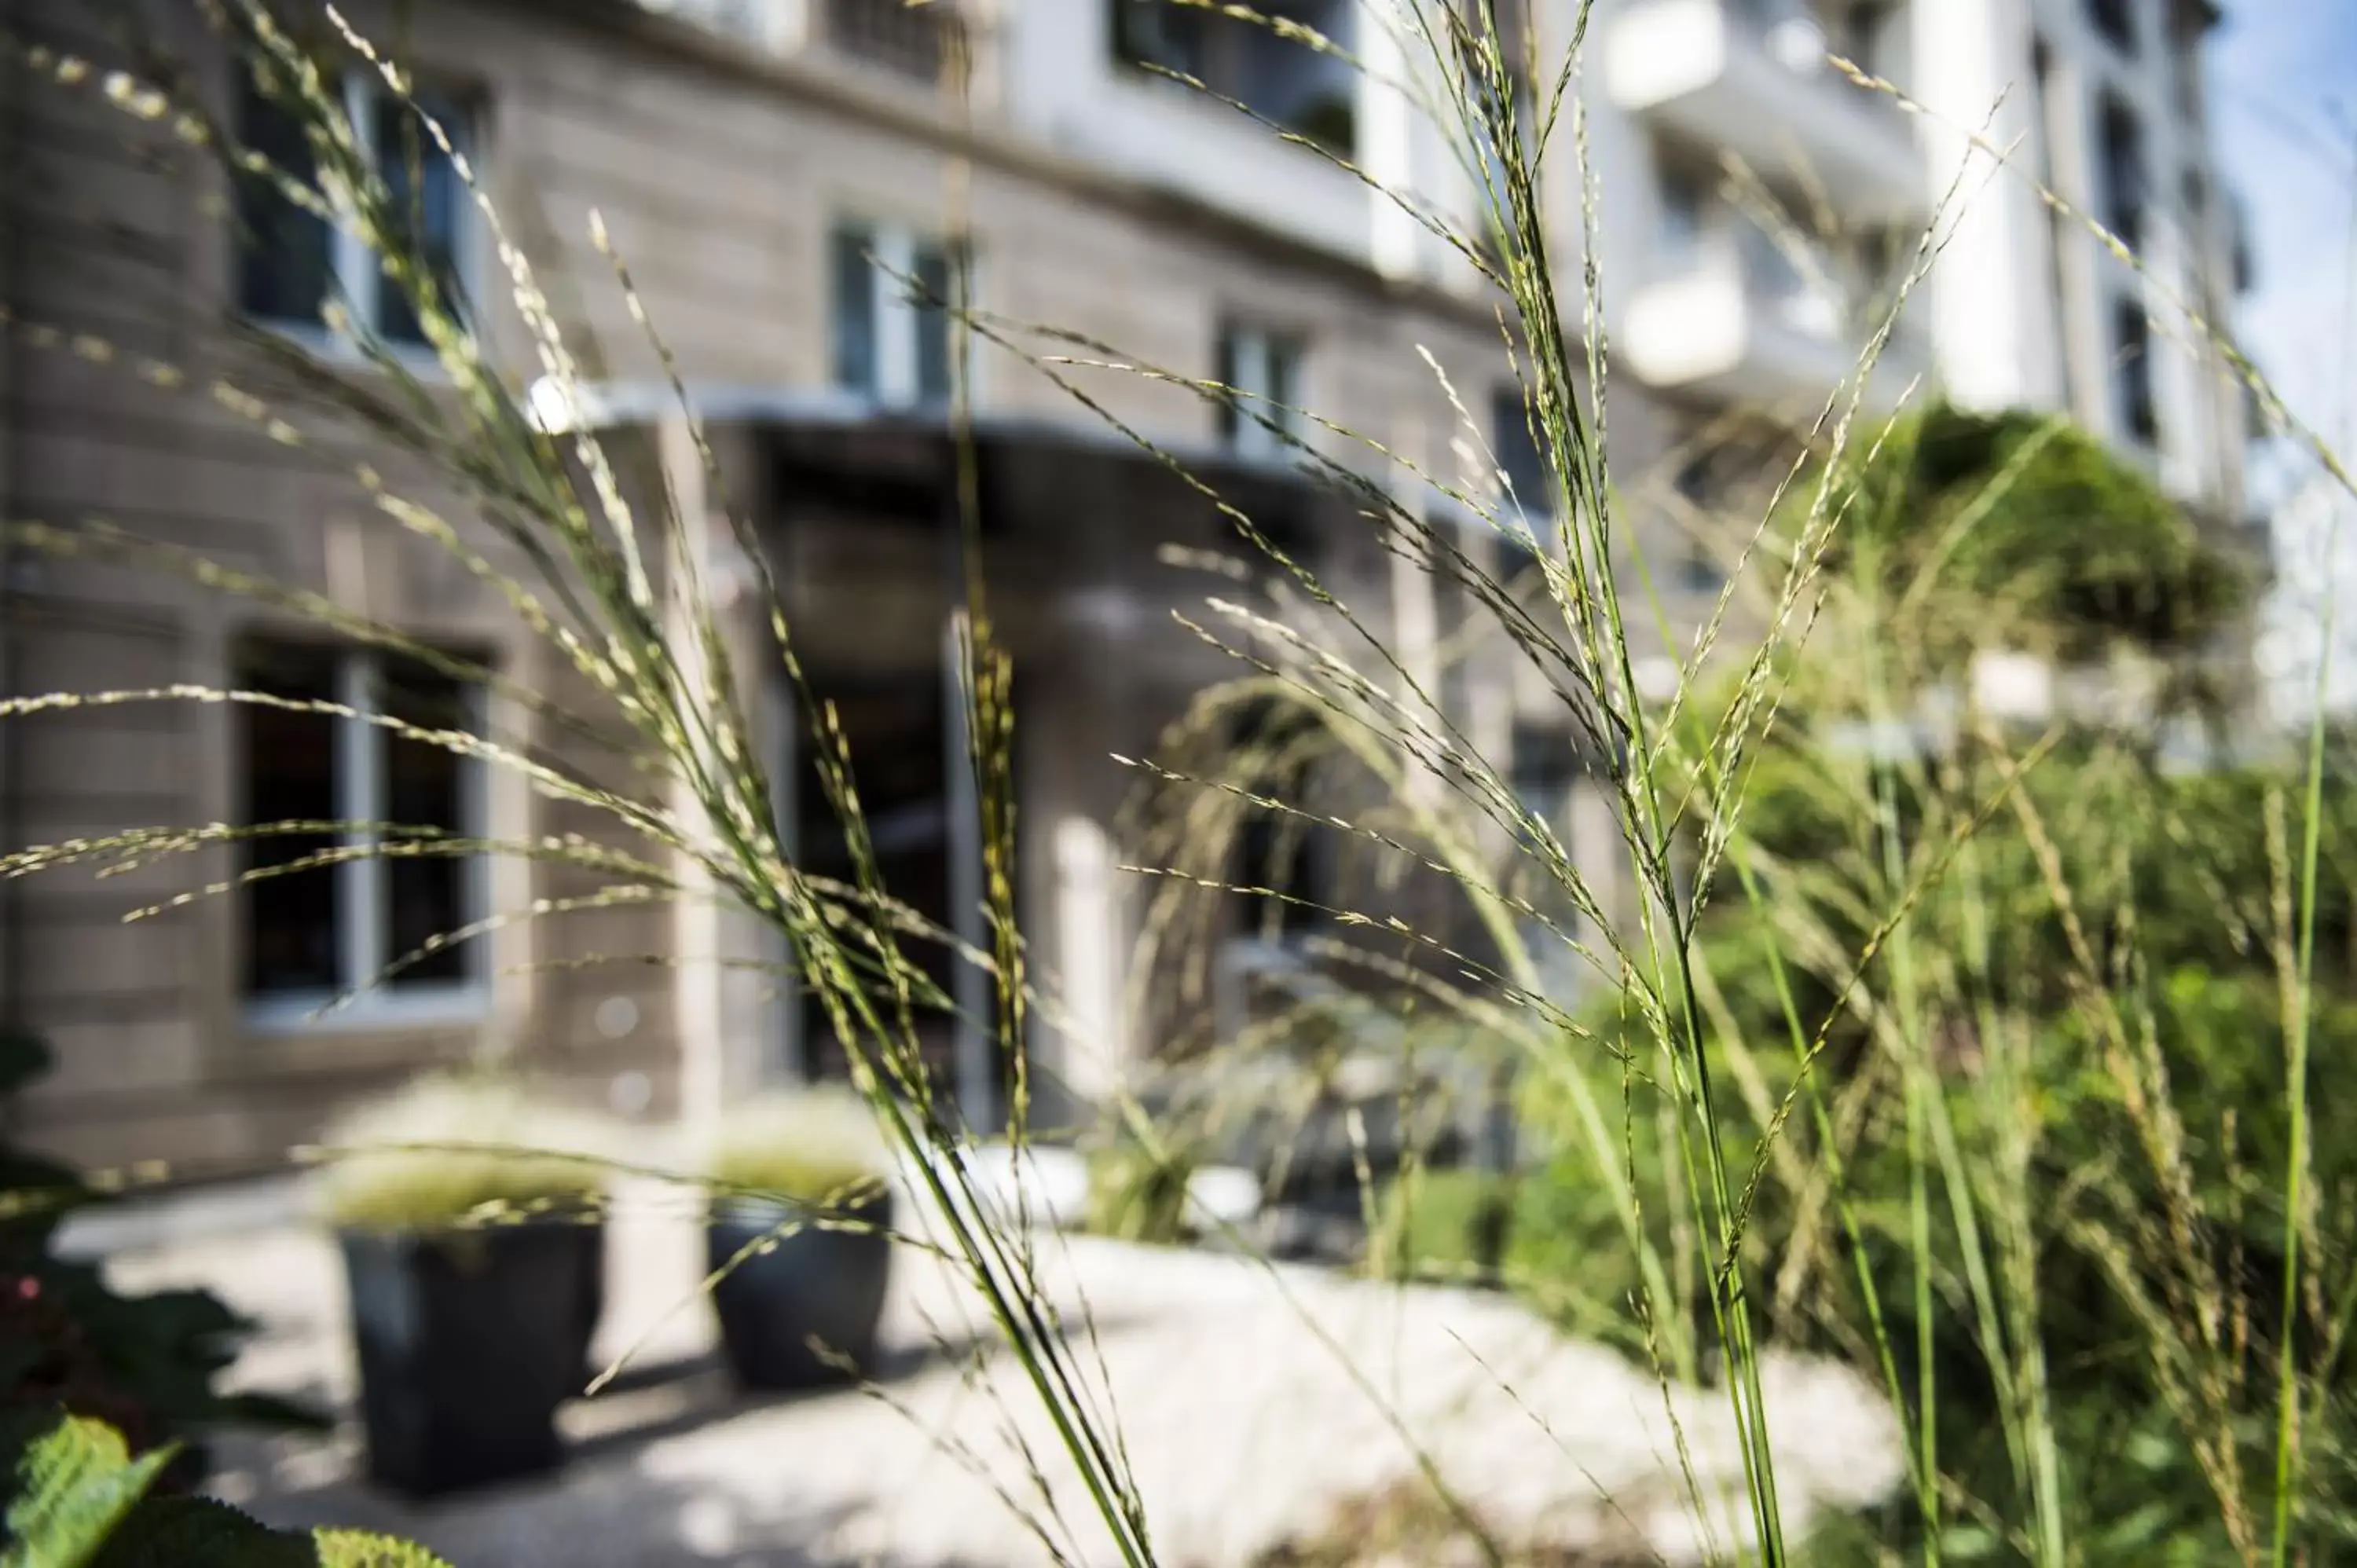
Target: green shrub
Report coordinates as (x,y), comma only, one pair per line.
(1444,1225)
(2038,534)
(814,1145)
(147,1364)
(1136,1194)
(449,1149)
(2124,1123)
(79,1496)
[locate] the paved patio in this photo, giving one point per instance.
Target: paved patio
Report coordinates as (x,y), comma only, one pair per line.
(1243,1422)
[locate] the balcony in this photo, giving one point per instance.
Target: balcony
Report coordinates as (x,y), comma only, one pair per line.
(916,44)
(1742,325)
(1733,76)
(920,42)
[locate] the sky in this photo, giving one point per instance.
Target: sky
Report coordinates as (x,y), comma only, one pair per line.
(2283,97)
(2283,92)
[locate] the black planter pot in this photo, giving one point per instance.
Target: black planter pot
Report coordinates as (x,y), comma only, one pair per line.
(822,1284)
(591,1240)
(467,1341)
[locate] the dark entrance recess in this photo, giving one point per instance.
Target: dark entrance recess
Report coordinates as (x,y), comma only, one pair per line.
(899,730)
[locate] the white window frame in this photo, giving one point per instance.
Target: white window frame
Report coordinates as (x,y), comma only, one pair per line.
(363,945)
(1252,350)
(895,247)
(352,266)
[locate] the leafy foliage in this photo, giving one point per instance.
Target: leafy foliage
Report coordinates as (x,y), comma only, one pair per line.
(449,1149)
(145,1364)
(1139,1194)
(74,1487)
(80,1499)
(2033,1169)
(813,1146)
(1441,1225)
(2037,533)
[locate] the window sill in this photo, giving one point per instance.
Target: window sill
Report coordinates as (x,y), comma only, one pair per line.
(340,351)
(1274,461)
(444,1006)
(862,403)
(1212,102)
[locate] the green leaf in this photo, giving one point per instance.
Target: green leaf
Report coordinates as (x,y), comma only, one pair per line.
(198,1532)
(1969,1542)
(75,1485)
(359,1549)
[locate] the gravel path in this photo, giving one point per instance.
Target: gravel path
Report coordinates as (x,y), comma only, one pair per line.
(1243,1423)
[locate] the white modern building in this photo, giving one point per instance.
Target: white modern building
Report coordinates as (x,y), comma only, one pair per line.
(1706,107)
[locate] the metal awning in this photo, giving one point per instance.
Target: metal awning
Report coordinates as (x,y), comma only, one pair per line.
(625,404)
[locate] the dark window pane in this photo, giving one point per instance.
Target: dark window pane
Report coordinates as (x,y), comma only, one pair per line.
(2114,21)
(2134,368)
(1683,198)
(283,251)
(855,310)
(1546,772)
(288,765)
(1697,485)
(1303,90)
(1225,372)
(1516,449)
(936,278)
(1274,746)
(1283,389)
(2123,172)
(425,787)
(1156,33)
(429,206)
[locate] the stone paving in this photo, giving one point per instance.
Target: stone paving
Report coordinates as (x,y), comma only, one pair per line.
(1253,1402)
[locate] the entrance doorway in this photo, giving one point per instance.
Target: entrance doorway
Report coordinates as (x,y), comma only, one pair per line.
(905,735)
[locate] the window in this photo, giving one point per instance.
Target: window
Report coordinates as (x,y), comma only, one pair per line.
(1545,770)
(893,298)
(917,41)
(2242,258)
(1264,369)
(1683,198)
(313,933)
(2132,373)
(2122,169)
(2115,20)
(1858,33)
(291,262)
(1697,487)
(2041,75)
(1276,744)
(1515,444)
(1307,91)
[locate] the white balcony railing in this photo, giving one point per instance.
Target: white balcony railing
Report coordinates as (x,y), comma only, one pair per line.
(1754,80)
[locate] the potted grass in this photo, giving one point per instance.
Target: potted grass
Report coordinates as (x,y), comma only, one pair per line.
(799,1233)
(468,1218)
